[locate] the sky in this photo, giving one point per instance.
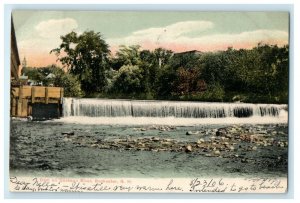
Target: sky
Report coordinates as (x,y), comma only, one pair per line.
(38,32)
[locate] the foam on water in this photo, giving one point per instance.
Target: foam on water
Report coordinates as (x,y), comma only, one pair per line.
(169,120)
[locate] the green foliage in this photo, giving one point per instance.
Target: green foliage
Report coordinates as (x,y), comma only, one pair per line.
(214,93)
(86,56)
(128,55)
(59,78)
(128,80)
(188,81)
(137,71)
(71,85)
(33,74)
(259,74)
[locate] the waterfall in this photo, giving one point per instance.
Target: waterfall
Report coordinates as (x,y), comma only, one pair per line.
(160,109)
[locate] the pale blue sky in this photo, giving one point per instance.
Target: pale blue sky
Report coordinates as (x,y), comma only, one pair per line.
(38,31)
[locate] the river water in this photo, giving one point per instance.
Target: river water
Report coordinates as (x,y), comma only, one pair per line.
(123,138)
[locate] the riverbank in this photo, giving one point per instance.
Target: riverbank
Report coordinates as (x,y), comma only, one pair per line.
(76,150)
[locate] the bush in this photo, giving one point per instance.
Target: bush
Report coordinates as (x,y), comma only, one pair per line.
(71,85)
(214,92)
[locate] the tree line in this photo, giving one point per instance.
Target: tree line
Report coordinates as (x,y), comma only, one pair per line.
(258,75)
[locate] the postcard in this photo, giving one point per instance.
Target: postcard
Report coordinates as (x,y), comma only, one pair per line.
(149,101)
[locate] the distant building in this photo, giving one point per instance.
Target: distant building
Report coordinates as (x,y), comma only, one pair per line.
(23,80)
(14,54)
(196,52)
(50,76)
(24,63)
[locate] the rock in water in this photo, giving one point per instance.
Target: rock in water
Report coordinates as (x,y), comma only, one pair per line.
(212,138)
(217,153)
(188,148)
(67,133)
(221,132)
(281,144)
(192,133)
(200,141)
(228,136)
(155,139)
(231,148)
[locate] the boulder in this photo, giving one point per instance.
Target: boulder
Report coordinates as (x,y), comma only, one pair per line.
(280,144)
(29,118)
(217,153)
(67,133)
(166,143)
(167,140)
(141,144)
(200,141)
(221,132)
(223,138)
(228,136)
(67,139)
(162,129)
(188,148)
(155,139)
(192,133)
(226,144)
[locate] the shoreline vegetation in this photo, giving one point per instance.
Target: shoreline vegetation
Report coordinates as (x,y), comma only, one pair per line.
(89,69)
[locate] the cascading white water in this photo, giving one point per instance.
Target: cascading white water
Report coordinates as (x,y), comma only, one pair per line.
(142,108)
(140,112)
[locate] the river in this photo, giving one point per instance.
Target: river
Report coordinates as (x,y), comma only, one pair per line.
(157,139)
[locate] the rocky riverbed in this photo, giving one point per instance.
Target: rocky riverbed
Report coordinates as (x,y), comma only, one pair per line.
(58,149)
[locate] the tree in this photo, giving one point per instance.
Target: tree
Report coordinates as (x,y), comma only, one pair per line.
(128,80)
(129,55)
(188,82)
(85,56)
(33,74)
(70,83)
(145,65)
(187,60)
(152,64)
(60,78)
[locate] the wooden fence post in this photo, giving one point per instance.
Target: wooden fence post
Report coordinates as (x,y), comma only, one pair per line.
(19,106)
(13,106)
(32,95)
(46,95)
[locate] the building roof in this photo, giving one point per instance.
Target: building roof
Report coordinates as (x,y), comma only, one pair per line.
(189,52)
(14,41)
